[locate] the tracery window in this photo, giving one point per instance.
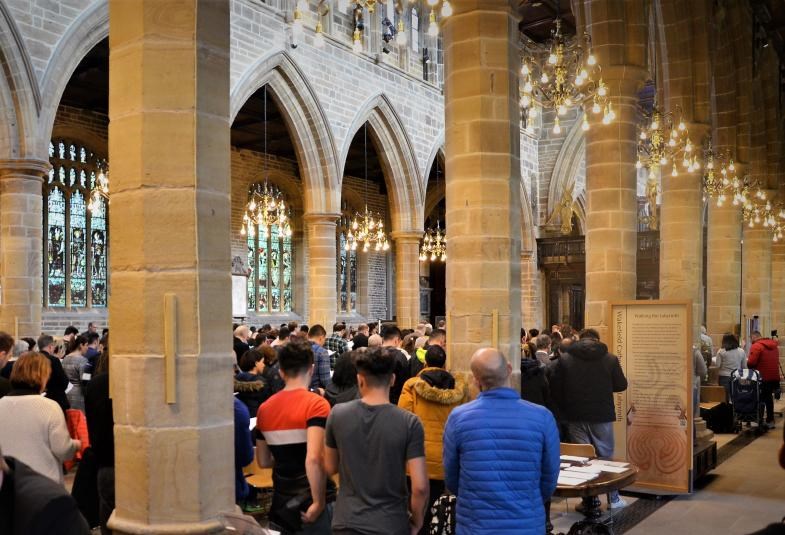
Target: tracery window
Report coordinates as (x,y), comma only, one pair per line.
(75,239)
(347,276)
(271,263)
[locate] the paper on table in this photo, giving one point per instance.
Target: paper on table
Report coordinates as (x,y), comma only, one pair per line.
(583,476)
(569,481)
(613,469)
(564,465)
(591,469)
(574,458)
(611,463)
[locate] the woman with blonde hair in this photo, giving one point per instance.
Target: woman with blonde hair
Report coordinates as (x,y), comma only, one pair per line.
(32,427)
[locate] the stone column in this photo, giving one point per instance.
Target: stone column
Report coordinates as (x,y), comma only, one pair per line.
(723,280)
(483,179)
(21,246)
(322,291)
(171,289)
(611,210)
(756,280)
(681,237)
(407,278)
(778,294)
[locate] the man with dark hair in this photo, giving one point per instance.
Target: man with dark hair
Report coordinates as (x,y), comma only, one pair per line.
(336,342)
(70,333)
(432,395)
(33,504)
(361,338)
(501,455)
(372,444)
(283,337)
(290,439)
(292,326)
(583,381)
(92,353)
(58,382)
(438,337)
(6,351)
(321,359)
(765,357)
(391,337)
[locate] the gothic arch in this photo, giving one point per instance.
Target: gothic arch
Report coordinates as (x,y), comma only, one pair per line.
(84,33)
(434,194)
(20,99)
(568,163)
(306,121)
(398,161)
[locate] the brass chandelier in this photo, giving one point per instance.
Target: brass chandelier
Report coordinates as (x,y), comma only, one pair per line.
(434,245)
(265,209)
(719,177)
(366,228)
(100,191)
(663,141)
(562,74)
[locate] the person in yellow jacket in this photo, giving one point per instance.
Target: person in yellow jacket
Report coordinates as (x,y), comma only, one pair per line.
(432,395)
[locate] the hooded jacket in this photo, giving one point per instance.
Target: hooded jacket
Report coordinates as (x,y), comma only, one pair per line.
(251,390)
(583,382)
(765,357)
(432,395)
(534,383)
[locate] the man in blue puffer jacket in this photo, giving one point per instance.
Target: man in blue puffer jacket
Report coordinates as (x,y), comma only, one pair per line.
(501,455)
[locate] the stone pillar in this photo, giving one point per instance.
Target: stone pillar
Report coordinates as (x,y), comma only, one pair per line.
(171,289)
(681,237)
(407,278)
(778,294)
(322,277)
(21,246)
(756,280)
(483,179)
(611,210)
(723,280)
(531,303)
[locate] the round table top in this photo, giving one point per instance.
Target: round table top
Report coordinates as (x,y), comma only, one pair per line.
(605,483)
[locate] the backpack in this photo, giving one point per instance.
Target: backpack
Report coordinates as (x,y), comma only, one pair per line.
(443,515)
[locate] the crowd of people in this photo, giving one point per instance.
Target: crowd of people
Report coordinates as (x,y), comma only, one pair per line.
(365,429)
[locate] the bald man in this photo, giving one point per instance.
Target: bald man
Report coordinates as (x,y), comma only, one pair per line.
(501,455)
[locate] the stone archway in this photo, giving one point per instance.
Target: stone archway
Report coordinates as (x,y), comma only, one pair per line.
(307,124)
(398,161)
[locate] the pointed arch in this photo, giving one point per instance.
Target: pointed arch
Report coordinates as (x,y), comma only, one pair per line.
(396,154)
(84,33)
(434,194)
(568,163)
(306,122)
(20,98)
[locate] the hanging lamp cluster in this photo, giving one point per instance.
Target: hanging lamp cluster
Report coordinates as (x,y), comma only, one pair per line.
(366,229)
(562,74)
(434,245)
(719,178)
(663,140)
(265,207)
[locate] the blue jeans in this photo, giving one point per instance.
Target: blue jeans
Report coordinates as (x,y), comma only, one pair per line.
(599,435)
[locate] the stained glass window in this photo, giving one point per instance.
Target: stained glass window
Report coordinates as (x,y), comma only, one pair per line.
(347,276)
(76,259)
(270,284)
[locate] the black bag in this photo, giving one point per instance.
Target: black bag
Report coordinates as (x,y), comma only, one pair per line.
(85,489)
(443,515)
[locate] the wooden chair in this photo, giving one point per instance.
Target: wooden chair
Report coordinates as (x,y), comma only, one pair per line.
(711,396)
(258,477)
(578,450)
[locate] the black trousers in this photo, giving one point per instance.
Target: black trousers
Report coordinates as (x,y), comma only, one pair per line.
(767,397)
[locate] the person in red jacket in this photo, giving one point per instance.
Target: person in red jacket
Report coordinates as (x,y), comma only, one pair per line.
(765,357)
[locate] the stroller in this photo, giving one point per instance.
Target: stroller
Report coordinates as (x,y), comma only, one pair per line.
(745,396)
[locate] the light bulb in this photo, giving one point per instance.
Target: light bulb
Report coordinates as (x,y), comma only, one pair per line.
(446,9)
(602,91)
(527,87)
(525,69)
(682,126)
(643,135)
(432,2)
(596,108)
(578,81)
(585,125)
(638,165)
(544,78)
(568,101)
(552,58)
(663,160)
(591,60)
(674,172)
(671,142)
(556,127)
(654,125)
(562,109)
(433,28)
(526,101)
(357,45)
(318,38)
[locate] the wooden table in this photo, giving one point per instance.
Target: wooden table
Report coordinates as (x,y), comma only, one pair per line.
(604,484)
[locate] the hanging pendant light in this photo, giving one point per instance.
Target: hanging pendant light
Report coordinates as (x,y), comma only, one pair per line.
(434,240)
(366,230)
(100,190)
(265,207)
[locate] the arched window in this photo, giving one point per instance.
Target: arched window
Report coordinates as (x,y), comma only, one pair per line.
(347,271)
(272,268)
(415,30)
(75,239)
